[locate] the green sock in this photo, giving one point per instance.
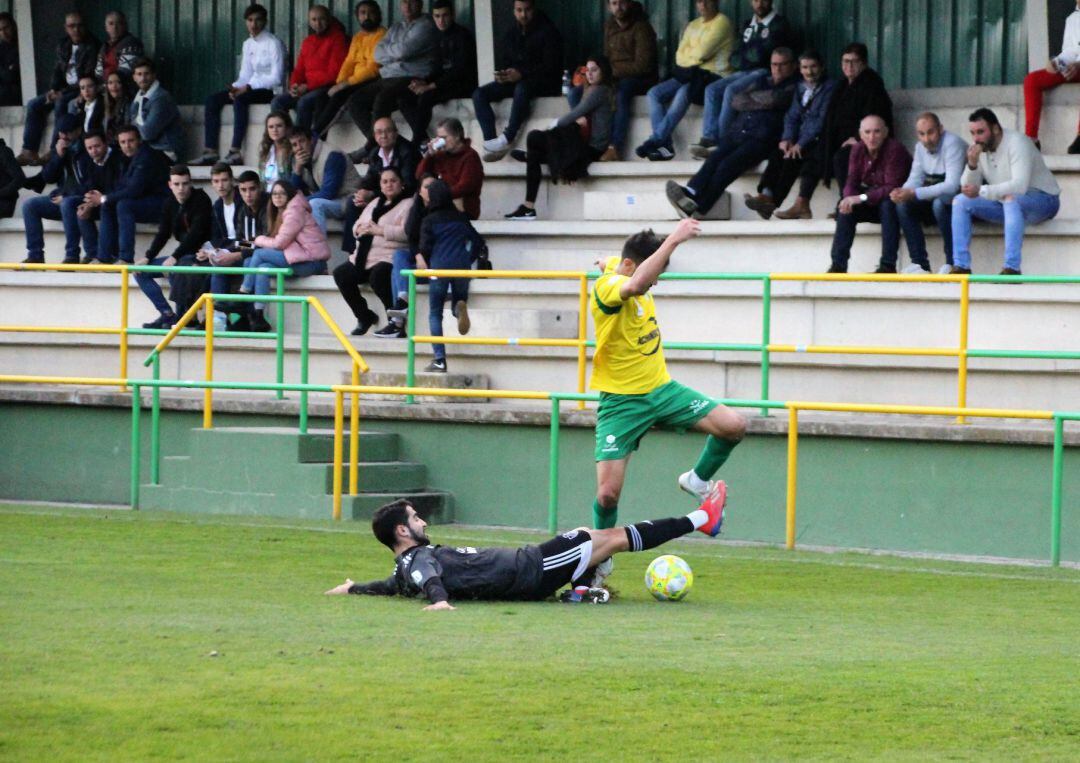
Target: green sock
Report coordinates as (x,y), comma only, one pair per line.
(604,518)
(713,456)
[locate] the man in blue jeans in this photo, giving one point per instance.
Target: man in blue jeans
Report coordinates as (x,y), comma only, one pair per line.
(1005,181)
(62,170)
(98,168)
(138,197)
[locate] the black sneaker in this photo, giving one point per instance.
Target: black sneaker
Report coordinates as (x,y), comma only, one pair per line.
(661,154)
(520,154)
(164,321)
(370,319)
(260,324)
(437,366)
(521,213)
(390,331)
(837,269)
(645,149)
(891,269)
(956,270)
(240,324)
(34,261)
(1074,147)
(207,159)
(70,261)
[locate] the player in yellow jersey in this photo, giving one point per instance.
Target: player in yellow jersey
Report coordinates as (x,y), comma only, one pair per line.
(636,392)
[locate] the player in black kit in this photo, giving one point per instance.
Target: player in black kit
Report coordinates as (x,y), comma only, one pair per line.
(525,573)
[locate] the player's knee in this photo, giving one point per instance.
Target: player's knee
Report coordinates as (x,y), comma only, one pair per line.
(737,427)
(607,495)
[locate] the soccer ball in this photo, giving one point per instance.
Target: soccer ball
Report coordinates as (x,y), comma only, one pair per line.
(669,578)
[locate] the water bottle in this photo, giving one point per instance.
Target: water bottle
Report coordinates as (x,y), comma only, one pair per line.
(566,82)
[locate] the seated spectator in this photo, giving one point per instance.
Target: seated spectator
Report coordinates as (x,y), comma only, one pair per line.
(759,123)
(327,178)
(119,52)
(454,75)
(409,50)
(117,104)
(564,148)
(10,74)
(379,232)
(763,33)
(859,93)
(1062,68)
(98,168)
(1005,181)
(452,159)
(76,55)
(391,150)
(154,112)
(239,218)
(138,197)
(530,60)
(630,46)
(292,240)
(703,55)
(262,73)
(89,106)
(275,150)
(798,146)
(186,217)
(359,66)
(62,203)
(321,55)
(12,179)
(927,195)
(879,163)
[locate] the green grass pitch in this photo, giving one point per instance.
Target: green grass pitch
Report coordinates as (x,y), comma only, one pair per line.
(127,636)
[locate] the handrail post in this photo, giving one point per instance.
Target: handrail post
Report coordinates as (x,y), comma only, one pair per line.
(354,434)
(208,393)
(280,329)
(583,308)
(136,441)
(792,475)
(410,347)
(123,325)
(1055,492)
(155,425)
(339,423)
(304,326)
(553,469)
(962,350)
(766,334)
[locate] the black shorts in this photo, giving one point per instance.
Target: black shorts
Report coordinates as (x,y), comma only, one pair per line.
(564,558)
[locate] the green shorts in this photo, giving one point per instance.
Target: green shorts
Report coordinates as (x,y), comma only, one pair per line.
(623,420)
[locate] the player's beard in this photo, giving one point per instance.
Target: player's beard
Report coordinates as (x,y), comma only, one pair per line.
(419,538)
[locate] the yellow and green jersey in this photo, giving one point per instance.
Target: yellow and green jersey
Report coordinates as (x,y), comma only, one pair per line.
(628,358)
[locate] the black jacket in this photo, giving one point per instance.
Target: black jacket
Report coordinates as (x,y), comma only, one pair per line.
(189,224)
(85,60)
(10,78)
(64,170)
(94,177)
(97,118)
(851,101)
(456,75)
(11,180)
(405,160)
(247,223)
(145,174)
(536,52)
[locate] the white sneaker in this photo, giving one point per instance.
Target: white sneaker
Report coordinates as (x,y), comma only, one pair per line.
(602,573)
(684,483)
(945,269)
(221,321)
(914,269)
(496,144)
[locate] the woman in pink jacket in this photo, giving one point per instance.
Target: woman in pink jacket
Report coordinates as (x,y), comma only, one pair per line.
(294,240)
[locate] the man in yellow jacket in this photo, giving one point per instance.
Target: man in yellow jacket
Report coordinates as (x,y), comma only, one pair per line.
(359,66)
(703,56)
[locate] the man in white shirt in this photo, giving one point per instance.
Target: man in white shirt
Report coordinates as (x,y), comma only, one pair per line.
(1062,68)
(262,74)
(1005,181)
(926,196)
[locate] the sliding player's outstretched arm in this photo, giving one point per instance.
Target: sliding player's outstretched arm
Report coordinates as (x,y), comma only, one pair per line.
(386,587)
(648,271)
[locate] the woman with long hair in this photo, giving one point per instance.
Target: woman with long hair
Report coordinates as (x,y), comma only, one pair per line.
(293,240)
(578,138)
(117,101)
(275,150)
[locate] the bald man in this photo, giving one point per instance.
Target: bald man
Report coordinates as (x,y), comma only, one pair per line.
(878,164)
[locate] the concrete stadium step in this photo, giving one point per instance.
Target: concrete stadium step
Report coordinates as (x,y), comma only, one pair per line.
(422,379)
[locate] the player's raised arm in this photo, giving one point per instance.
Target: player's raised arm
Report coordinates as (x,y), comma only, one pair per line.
(646,274)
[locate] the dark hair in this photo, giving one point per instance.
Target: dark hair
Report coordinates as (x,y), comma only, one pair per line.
(144,63)
(371,4)
(641,246)
(94,134)
(438,5)
(605,68)
(5,16)
(858,49)
(249,176)
(89,76)
(254,9)
(453,125)
(811,54)
(128,128)
(220,167)
(179,169)
(533,2)
(985,115)
(274,216)
(385,522)
(785,51)
(264,146)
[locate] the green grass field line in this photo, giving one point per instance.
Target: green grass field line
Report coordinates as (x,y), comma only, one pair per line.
(109,619)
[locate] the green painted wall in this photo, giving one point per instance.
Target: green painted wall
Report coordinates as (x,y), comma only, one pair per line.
(894,494)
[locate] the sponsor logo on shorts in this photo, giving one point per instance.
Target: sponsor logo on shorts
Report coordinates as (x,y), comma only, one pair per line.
(698,405)
(611,445)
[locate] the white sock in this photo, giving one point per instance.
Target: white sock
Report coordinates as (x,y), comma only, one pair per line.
(695,482)
(699,517)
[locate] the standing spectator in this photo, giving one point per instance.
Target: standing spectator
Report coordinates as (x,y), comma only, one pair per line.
(10,75)
(530,59)
(89,106)
(138,196)
(98,168)
(454,75)
(409,50)
(62,169)
(1006,182)
(406,258)
(763,33)
(239,218)
(327,178)
(76,55)
(391,150)
(379,232)
(275,150)
(860,92)
(293,240)
(155,113)
(565,148)
(452,159)
(186,217)
(119,52)
(927,195)
(879,163)
(798,146)
(1062,68)
(117,104)
(703,55)
(759,123)
(262,72)
(358,68)
(321,55)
